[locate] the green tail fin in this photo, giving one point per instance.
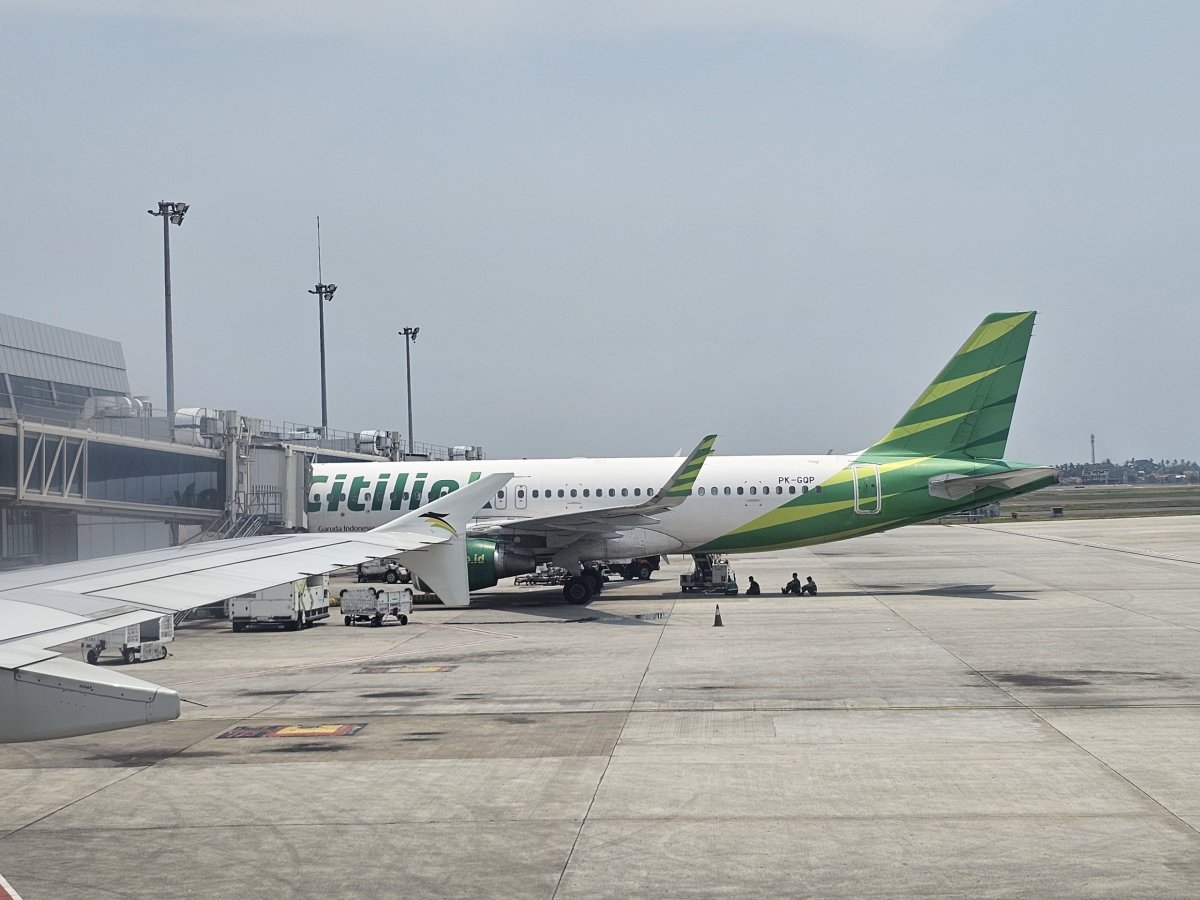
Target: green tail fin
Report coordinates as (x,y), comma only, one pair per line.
(967,410)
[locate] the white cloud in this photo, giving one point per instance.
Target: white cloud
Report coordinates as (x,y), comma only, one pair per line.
(464,25)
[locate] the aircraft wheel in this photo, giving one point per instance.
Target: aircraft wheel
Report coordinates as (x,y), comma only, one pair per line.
(594,580)
(577,590)
(643,572)
(93,657)
(391,577)
(127,655)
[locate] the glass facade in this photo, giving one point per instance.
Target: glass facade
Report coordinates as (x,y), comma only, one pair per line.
(8,460)
(161,478)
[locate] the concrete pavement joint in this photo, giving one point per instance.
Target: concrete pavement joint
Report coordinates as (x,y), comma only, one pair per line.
(616,743)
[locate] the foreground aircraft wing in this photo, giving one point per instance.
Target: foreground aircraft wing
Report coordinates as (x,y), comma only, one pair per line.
(43,695)
(674,491)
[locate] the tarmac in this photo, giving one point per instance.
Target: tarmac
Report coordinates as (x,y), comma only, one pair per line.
(1002,709)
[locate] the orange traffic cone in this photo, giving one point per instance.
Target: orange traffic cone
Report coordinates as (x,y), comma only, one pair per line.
(717,621)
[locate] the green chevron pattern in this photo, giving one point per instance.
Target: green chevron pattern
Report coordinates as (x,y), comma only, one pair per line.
(682,485)
(967,410)
(958,426)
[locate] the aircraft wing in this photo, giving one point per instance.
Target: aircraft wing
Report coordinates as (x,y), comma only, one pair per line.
(44,696)
(608,519)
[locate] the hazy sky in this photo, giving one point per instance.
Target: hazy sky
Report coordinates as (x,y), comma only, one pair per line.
(619,225)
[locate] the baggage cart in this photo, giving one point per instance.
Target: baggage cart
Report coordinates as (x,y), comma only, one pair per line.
(373,604)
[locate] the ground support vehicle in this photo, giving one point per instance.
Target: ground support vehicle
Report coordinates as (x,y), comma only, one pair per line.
(639,568)
(294,605)
(543,574)
(135,643)
(712,575)
(387,570)
(371,605)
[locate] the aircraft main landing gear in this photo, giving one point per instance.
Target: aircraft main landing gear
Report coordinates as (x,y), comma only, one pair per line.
(577,590)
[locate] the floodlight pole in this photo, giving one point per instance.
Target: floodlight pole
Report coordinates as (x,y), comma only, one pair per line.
(324,294)
(410,337)
(170,213)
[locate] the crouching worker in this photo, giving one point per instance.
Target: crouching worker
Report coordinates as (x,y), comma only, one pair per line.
(753,589)
(809,586)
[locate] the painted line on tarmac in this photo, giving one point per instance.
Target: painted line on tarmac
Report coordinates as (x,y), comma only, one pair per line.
(1095,545)
(7,891)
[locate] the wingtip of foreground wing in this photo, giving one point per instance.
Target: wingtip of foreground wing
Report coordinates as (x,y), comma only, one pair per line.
(454,509)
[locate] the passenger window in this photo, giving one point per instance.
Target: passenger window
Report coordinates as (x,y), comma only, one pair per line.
(624,492)
(741,491)
(585,493)
(791,489)
(560,492)
(612,492)
(753,490)
(779,489)
(804,490)
(817,489)
(701,492)
(726,492)
(535,493)
(637,492)
(574,493)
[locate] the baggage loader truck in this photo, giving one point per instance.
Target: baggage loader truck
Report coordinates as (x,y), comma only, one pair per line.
(293,606)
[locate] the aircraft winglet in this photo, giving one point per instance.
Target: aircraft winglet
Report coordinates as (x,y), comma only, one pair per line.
(679,487)
(449,514)
(442,564)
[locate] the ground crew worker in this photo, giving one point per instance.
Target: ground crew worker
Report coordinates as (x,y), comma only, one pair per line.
(753,590)
(809,586)
(794,586)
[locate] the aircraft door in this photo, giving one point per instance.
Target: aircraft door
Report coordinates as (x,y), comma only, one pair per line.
(520,494)
(868,491)
(500,501)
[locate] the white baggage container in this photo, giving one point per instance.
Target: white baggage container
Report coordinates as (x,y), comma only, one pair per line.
(372,604)
(135,643)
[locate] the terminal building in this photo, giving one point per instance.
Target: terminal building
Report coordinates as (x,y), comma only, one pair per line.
(88,469)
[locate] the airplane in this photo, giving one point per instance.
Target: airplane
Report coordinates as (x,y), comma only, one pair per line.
(45,696)
(943,456)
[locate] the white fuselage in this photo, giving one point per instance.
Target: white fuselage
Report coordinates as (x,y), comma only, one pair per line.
(729,492)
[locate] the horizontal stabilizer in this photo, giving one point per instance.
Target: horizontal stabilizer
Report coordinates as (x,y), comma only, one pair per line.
(961,487)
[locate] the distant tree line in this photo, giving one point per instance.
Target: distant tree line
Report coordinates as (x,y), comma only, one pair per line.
(1132,471)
